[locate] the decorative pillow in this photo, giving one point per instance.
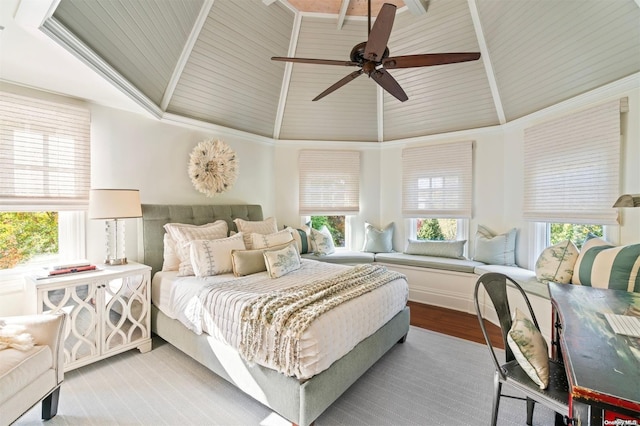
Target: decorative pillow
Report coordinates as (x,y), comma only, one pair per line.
(281,262)
(378,240)
(213,257)
(248,227)
(529,348)
(247,262)
(495,249)
(452,249)
(14,336)
(259,241)
(301,237)
(606,266)
(322,242)
(171,260)
(182,234)
(556,263)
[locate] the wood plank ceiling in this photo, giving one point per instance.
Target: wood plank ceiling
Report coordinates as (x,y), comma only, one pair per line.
(210,60)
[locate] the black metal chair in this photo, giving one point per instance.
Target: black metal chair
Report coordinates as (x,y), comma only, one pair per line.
(556,396)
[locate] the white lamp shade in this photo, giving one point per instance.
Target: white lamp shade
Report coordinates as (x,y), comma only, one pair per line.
(114,204)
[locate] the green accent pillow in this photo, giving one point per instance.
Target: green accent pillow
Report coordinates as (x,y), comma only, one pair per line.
(495,249)
(529,348)
(378,240)
(451,249)
(606,266)
(556,263)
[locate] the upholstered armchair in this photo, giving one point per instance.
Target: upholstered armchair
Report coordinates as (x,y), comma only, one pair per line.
(32,375)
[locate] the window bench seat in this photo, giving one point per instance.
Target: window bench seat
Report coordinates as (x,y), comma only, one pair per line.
(449,283)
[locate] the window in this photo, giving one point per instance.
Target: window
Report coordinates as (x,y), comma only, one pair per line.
(336,226)
(575,232)
(436,190)
(44,177)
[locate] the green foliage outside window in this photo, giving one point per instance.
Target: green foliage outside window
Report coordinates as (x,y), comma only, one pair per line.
(335,225)
(437,229)
(25,235)
(570,231)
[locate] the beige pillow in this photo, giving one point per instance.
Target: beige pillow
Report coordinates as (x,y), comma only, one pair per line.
(213,257)
(529,348)
(184,233)
(556,263)
(247,262)
(281,262)
(171,261)
(259,241)
(248,227)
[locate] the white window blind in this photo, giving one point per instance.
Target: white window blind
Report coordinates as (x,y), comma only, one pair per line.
(437,180)
(571,167)
(329,182)
(44,154)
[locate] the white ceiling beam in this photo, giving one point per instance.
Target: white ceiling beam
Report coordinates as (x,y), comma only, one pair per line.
(32,13)
(286,79)
(486,60)
(343,13)
(418,7)
(186,52)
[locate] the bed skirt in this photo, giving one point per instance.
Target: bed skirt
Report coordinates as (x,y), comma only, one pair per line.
(300,402)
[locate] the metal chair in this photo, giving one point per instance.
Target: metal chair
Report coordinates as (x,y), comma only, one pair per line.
(556,396)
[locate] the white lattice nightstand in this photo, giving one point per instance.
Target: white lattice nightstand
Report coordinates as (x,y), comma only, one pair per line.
(109,310)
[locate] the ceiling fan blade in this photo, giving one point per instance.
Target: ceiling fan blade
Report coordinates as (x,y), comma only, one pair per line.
(428,59)
(388,83)
(338,84)
(315,61)
(379,35)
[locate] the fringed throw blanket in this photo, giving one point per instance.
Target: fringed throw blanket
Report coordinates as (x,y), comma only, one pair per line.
(288,313)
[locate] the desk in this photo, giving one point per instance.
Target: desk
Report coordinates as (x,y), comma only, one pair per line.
(603,368)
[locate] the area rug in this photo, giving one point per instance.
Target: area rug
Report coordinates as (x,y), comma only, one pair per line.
(431,379)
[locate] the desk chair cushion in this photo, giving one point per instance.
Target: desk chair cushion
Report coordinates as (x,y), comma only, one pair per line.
(529,348)
(20,368)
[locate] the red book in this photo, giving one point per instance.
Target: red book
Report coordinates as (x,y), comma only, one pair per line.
(72,270)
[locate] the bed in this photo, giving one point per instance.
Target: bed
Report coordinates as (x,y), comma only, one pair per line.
(299,400)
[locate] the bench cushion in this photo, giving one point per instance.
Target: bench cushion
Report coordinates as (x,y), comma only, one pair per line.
(19,368)
(448,264)
(525,277)
(342,256)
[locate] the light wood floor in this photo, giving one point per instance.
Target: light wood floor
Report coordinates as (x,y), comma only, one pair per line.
(453,323)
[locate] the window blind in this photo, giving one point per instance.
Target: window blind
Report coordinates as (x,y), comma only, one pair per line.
(329,182)
(571,167)
(44,154)
(437,180)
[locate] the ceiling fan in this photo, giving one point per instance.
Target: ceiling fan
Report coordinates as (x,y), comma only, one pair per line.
(372,57)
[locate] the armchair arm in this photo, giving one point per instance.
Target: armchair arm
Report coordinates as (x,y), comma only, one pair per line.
(46,329)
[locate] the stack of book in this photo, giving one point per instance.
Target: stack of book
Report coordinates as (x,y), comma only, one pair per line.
(70,268)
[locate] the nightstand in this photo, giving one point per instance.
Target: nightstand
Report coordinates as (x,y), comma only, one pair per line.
(109,310)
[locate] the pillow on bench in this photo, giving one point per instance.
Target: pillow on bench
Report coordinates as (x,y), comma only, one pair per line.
(450,249)
(603,265)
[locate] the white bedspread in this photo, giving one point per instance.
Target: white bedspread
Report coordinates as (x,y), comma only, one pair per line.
(328,338)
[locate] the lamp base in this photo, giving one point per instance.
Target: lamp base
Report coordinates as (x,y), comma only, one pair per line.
(112,262)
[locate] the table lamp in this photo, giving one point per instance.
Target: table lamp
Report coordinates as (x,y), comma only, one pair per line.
(114,205)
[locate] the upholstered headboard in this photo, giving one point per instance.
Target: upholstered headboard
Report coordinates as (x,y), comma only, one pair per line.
(155,216)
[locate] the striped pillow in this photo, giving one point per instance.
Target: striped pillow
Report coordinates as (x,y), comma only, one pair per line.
(603,265)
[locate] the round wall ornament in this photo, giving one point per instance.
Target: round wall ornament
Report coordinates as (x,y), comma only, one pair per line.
(213,167)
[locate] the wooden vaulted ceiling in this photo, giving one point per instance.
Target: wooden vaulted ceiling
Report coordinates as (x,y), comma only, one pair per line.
(210,60)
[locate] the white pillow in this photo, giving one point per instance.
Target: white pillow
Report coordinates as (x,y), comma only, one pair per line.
(259,241)
(281,262)
(322,241)
(248,227)
(185,233)
(171,261)
(556,263)
(529,348)
(378,240)
(213,257)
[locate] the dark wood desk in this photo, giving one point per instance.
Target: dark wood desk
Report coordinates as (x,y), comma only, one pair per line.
(603,368)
